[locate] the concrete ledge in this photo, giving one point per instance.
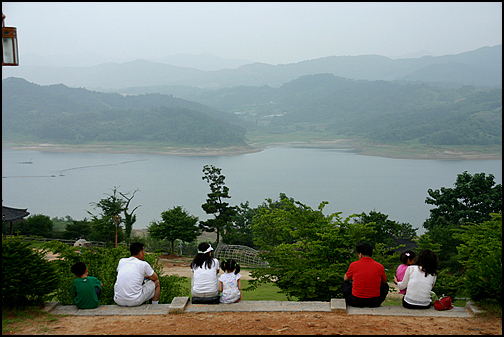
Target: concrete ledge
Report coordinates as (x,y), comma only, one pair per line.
(338,304)
(182,305)
(395,310)
(474,309)
(50,306)
(178,305)
(260,306)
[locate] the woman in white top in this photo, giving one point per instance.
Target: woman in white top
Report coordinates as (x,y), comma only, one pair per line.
(419,279)
(204,282)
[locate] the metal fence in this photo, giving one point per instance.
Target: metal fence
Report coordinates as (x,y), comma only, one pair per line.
(68,242)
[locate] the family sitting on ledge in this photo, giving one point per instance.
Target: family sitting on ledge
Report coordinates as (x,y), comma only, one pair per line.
(364,284)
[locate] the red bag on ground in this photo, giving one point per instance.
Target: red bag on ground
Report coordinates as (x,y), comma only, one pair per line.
(444,303)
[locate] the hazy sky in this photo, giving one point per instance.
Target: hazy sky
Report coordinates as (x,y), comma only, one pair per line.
(261,32)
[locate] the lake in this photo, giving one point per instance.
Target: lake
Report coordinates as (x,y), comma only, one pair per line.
(60,184)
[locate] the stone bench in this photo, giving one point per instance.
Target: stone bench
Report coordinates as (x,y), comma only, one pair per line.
(181,305)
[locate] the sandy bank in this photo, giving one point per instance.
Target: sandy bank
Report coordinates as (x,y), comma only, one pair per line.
(368,149)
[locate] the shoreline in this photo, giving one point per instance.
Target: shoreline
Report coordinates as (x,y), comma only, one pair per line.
(133,149)
(366,149)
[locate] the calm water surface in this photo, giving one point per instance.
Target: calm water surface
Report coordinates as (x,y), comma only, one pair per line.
(60,184)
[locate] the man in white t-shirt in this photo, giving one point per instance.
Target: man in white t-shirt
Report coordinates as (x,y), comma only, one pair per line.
(129,288)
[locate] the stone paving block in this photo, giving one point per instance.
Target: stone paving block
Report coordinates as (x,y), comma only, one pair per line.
(474,309)
(50,306)
(178,305)
(338,304)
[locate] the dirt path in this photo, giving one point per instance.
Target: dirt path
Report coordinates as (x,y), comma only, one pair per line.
(262,323)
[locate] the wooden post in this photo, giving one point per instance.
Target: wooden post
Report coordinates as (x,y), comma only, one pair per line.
(116,218)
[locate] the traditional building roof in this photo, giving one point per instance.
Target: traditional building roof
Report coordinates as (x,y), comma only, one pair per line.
(10,214)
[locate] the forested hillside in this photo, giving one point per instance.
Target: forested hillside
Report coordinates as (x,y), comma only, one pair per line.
(383,111)
(380,111)
(57,113)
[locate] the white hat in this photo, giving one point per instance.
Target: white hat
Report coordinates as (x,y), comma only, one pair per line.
(209,249)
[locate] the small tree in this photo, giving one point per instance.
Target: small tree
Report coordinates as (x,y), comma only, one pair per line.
(111,206)
(129,217)
(177,224)
(77,229)
(38,224)
(215,204)
(241,232)
(27,277)
(104,227)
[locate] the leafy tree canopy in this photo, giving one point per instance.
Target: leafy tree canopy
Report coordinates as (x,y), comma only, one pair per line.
(385,229)
(178,224)
(308,252)
(77,230)
(38,224)
(472,199)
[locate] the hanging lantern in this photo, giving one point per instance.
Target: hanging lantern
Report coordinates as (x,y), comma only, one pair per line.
(10,56)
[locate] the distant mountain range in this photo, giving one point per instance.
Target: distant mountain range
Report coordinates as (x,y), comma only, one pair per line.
(481,67)
(205,62)
(379,111)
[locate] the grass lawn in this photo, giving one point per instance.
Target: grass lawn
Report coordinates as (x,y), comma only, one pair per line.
(266,292)
(269,292)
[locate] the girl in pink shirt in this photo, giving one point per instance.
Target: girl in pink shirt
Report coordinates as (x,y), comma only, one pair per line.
(407,258)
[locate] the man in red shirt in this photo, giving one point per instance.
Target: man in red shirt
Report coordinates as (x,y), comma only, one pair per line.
(365,282)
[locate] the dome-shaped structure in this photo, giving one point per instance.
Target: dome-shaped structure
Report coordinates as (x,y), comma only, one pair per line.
(245,256)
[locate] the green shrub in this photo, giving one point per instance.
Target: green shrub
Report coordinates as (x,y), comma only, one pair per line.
(485,280)
(481,254)
(102,264)
(449,284)
(27,278)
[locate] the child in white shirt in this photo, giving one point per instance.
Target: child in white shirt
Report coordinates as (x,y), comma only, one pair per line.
(229,282)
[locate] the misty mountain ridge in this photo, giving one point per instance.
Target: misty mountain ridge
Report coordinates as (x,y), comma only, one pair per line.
(204,61)
(420,53)
(480,67)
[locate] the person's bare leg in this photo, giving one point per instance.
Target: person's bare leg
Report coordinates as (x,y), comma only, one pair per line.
(157,291)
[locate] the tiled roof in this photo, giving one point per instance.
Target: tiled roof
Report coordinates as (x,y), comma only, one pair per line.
(12,214)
